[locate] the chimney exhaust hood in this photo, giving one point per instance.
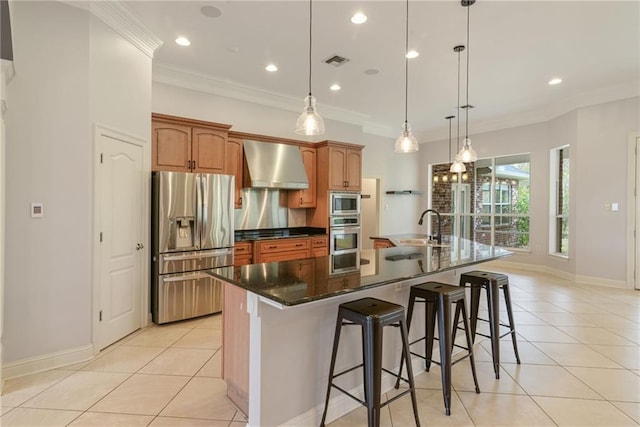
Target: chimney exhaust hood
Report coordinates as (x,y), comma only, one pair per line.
(274,165)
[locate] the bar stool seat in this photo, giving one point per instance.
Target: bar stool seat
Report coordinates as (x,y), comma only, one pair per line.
(492,282)
(373,315)
(439,297)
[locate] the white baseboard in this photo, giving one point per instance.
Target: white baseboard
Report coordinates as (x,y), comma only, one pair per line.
(577,279)
(341,404)
(45,362)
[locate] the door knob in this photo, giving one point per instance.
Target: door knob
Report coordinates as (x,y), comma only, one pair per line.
(139,246)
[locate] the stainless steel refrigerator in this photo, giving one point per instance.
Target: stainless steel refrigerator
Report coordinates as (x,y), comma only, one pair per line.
(192,231)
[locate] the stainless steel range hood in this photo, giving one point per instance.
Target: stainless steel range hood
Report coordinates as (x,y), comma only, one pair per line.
(273,165)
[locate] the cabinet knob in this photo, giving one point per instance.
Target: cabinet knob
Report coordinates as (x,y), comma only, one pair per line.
(139,246)
(194,164)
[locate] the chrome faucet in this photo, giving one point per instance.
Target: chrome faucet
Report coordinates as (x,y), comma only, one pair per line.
(437,237)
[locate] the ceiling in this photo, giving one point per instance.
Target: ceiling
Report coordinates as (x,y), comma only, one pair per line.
(516,47)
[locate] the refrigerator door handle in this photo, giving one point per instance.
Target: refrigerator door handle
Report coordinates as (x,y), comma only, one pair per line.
(207,254)
(198,209)
(194,276)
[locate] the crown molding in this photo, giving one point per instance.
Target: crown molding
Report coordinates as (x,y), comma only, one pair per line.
(119,17)
(545,111)
(187,79)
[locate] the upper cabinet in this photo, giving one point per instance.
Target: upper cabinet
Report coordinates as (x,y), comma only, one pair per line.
(186,145)
(344,165)
(306,198)
(235,165)
(207,150)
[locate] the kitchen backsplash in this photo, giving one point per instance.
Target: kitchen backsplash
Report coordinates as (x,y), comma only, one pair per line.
(267,208)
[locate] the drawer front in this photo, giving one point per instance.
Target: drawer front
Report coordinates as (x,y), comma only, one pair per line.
(320,242)
(242,248)
(283,256)
(284,245)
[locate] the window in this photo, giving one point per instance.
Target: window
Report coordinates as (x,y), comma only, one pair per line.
(559,230)
(497,190)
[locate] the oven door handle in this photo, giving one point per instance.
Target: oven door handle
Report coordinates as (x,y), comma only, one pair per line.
(344,230)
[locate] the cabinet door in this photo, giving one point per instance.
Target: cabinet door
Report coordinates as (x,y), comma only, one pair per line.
(207,152)
(306,198)
(354,170)
(337,167)
(171,147)
(233,166)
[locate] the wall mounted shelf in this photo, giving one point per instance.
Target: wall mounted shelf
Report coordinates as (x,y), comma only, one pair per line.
(404,192)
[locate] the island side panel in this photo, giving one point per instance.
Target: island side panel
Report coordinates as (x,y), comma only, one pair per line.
(235,346)
(295,352)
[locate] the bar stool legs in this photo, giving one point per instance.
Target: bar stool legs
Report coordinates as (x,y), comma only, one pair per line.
(372,315)
(492,282)
(438,298)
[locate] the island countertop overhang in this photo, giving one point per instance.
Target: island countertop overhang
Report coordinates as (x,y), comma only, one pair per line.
(293,283)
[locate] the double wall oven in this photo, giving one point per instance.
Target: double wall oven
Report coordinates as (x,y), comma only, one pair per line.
(344,228)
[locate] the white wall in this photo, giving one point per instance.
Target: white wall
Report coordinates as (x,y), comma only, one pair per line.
(598,136)
(601,173)
(395,171)
(70,70)
(48,260)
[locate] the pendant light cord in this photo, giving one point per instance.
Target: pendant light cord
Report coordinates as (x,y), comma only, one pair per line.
(458,106)
(406,66)
(310,38)
(449,120)
(466,111)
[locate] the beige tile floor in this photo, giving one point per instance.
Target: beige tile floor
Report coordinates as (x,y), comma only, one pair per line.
(579,346)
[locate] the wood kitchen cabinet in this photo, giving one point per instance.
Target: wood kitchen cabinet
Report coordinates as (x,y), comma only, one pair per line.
(320,245)
(187,145)
(234,165)
(306,198)
(338,168)
(344,167)
(281,249)
(243,253)
(382,243)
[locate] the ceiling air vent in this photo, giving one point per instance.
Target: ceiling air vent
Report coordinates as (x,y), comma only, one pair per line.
(336,60)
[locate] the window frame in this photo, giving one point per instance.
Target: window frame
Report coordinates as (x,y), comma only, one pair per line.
(557,204)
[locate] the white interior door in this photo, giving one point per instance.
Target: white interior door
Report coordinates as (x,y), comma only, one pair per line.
(121,239)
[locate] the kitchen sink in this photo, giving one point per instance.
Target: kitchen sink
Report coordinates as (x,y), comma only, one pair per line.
(423,242)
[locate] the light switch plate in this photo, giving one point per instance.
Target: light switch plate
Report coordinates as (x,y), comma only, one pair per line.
(37,210)
(614,207)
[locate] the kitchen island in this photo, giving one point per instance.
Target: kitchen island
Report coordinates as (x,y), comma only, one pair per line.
(279,320)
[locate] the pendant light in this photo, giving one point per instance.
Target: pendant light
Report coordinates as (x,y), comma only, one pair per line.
(310,122)
(467,153)
(406,142)
(457,166)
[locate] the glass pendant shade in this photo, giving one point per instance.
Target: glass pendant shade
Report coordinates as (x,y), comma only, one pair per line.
(406,142)
(467,153)
(309,122)
(457,167)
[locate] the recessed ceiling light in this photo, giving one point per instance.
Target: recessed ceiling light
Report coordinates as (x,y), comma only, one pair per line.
(359,18)
(412,54)
(555,81)
(271,68)
(371,71)
(183,41)
(211,11)
(335,87)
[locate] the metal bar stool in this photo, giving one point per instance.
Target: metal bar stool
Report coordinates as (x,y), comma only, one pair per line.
(438,298)
(372,315)
(492,282)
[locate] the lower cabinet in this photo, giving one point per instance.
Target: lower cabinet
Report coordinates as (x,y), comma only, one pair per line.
(243,253)
(319,245)
(282,249)
(382,243)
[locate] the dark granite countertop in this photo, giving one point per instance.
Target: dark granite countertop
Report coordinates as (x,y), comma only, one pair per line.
(297,282)
(277,233)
